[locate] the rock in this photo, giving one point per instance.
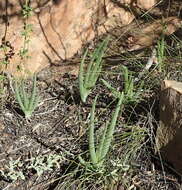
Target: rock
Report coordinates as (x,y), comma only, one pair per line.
(146,4)
(169,133)
(60,29)
(142,4)
(146,35)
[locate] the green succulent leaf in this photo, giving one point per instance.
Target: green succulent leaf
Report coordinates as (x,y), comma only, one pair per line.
(97,157)
(28,102)
(101,143)
(93,155)
(88,77)
(111,128)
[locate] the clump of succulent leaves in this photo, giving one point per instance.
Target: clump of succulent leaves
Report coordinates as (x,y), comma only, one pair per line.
(130,92)
(27,100)
(88,77)
(98,155)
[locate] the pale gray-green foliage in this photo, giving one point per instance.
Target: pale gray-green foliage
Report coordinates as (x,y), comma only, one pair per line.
(44,163)
(131,94)
(27,101)
(98,155)
(88,78)
(14,170)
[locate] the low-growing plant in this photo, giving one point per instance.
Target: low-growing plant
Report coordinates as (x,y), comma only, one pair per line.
(13,171)
(44,163)
(16,169)
(114,91)
(28,102)
(88,78)
(97,156)
(161,45)
(130,92)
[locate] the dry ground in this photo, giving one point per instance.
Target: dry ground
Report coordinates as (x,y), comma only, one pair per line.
(57,132)
(59,127)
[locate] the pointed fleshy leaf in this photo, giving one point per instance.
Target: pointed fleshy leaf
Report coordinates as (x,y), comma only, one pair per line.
(115,93)
(33,94)
(18,97)
(111,127)
(83,91)
(24,95)
(101,143)
(93,156)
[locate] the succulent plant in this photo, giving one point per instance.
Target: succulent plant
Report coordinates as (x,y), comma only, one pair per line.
(28,102)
